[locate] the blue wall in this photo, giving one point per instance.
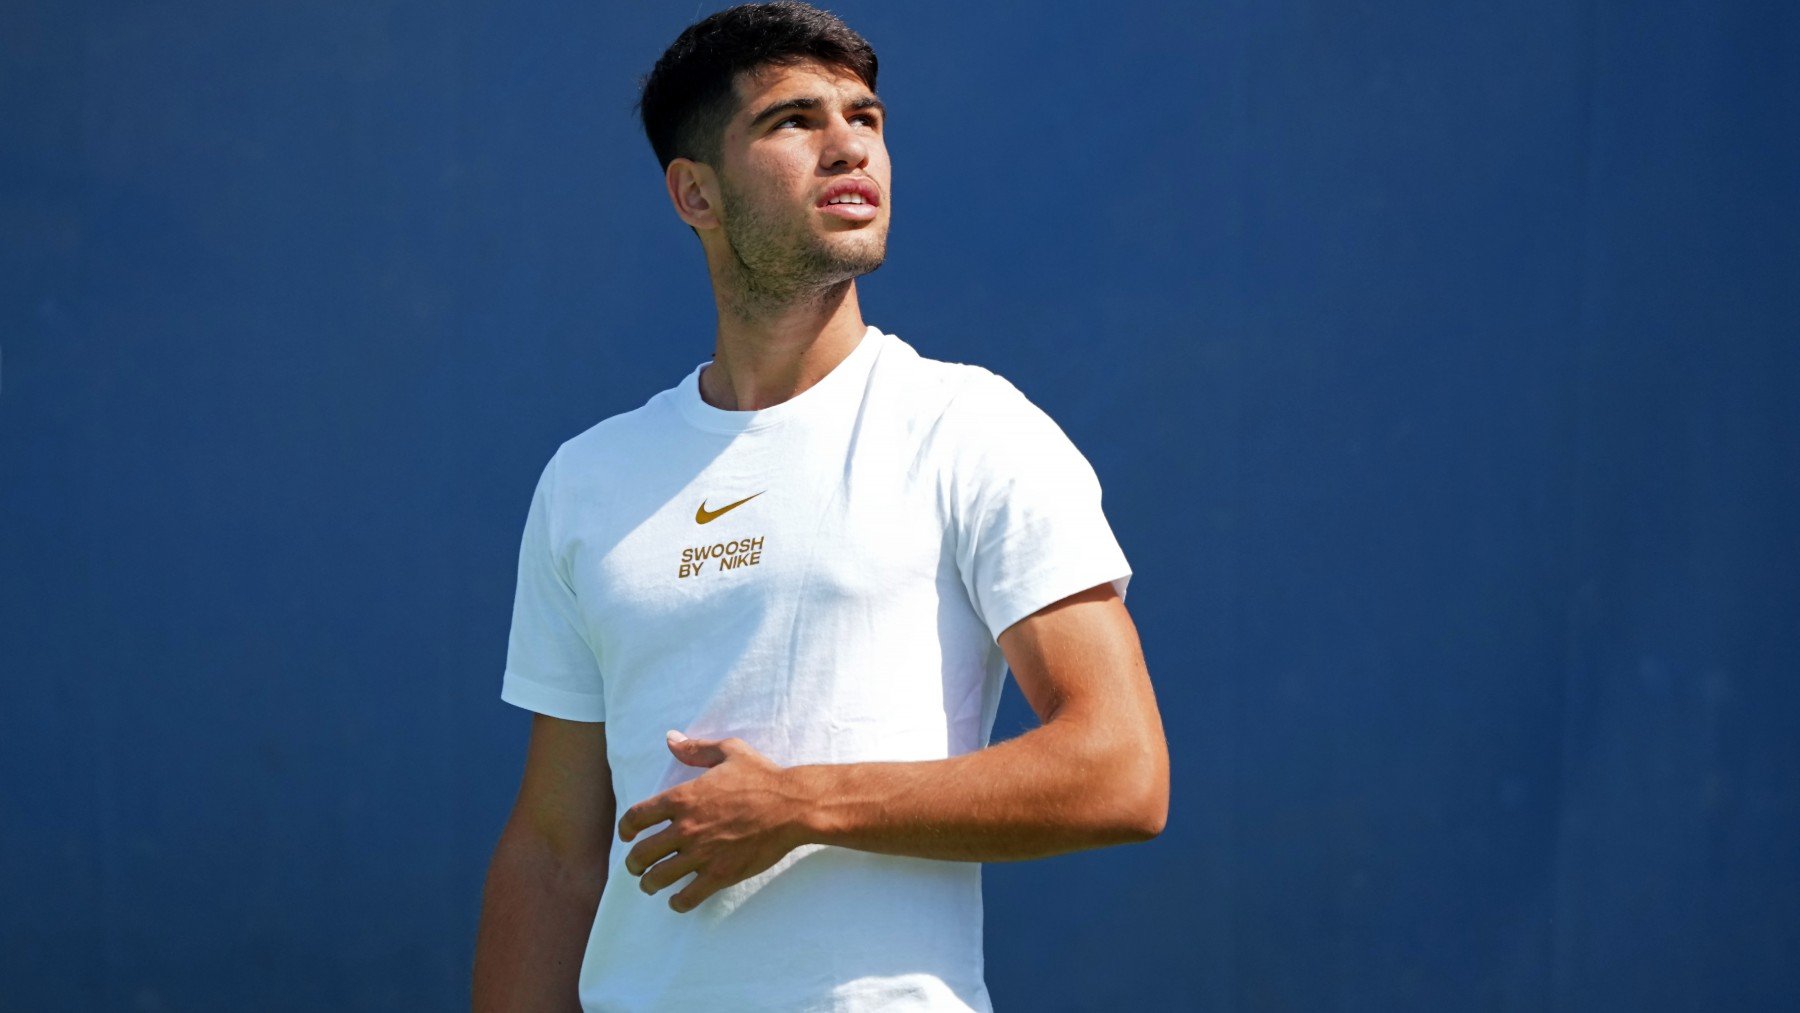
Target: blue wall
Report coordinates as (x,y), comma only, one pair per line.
(1439,361)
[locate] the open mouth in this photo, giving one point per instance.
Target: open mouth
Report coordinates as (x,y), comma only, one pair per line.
(851,200)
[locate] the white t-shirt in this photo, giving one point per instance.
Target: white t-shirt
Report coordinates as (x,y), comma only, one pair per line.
(824,579)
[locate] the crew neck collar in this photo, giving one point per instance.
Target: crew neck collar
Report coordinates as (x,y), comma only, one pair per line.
(719,420)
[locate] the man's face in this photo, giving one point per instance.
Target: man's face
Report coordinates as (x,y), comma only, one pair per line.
(800,135)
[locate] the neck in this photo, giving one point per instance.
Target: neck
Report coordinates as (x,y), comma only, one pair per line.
(768,351)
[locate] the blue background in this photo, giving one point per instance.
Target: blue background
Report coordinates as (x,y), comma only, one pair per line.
(1439,362)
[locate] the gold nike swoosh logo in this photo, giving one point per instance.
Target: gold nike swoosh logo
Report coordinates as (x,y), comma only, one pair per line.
(705,516)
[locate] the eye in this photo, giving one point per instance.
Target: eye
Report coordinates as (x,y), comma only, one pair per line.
(870,118)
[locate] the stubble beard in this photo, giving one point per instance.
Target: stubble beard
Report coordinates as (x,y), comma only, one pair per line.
(778,264)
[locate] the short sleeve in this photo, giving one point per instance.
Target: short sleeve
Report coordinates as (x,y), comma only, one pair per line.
(550,666)
(1026,506)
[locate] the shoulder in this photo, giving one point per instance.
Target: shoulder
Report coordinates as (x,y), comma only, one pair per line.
(586,466)
(983,432)
(627,433)
(989,412)
(616,447)
(959,398)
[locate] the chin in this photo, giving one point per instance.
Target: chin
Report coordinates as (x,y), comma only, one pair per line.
(855,246)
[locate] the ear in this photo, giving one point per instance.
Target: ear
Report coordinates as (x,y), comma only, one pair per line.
(694,190)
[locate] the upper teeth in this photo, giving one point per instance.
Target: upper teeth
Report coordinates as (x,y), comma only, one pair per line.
(847,198)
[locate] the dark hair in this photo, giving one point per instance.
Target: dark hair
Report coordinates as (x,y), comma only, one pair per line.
(687,99)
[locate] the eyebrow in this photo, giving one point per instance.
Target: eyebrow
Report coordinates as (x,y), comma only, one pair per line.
(809,103)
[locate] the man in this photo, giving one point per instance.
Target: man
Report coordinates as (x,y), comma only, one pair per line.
(810,563)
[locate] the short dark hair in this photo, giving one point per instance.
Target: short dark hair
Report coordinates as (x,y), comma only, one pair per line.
(686,101)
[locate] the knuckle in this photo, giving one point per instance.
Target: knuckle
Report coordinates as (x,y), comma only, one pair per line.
(655,878)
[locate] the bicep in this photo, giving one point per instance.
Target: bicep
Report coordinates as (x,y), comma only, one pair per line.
(566,795)
(1080,657)
(1079,663)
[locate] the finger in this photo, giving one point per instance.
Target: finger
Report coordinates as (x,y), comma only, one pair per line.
(698,752)
(667,871)
(647,813)
(689,897)
(649,850)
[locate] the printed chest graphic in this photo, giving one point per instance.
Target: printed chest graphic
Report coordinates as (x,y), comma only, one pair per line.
(717,556)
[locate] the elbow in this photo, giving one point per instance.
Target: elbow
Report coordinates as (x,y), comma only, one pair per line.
(1138,801)
(1151,814)
(560,863)
(1158,820)
(1124,779)
(1148,785)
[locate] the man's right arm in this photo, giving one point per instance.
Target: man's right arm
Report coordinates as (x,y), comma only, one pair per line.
(544,882)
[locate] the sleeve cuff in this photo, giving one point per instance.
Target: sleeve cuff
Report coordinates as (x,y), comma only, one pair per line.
(1014,604)
(519,691)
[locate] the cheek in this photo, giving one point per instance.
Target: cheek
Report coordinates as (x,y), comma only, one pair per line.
(775,195)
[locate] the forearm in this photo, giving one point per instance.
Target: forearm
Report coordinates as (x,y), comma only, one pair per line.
(535,915)
(1052,790)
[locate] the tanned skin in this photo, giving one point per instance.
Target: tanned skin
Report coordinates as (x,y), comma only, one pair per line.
(544,881)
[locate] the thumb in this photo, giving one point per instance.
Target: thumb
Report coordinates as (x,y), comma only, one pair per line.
(695,752)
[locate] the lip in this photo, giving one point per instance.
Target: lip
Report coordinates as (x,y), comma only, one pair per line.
(863,212)
(851,212)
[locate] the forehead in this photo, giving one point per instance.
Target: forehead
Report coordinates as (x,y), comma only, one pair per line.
(756,89)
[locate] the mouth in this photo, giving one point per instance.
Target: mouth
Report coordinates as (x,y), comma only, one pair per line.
(851,199)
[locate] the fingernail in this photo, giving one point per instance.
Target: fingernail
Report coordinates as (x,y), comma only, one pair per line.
(675,736)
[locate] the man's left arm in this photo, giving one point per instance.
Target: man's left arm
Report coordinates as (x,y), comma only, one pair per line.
(1094,773)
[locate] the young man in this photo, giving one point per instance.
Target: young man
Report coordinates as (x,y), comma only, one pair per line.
(811,563)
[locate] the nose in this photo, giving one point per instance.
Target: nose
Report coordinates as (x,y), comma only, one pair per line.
(845,147)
